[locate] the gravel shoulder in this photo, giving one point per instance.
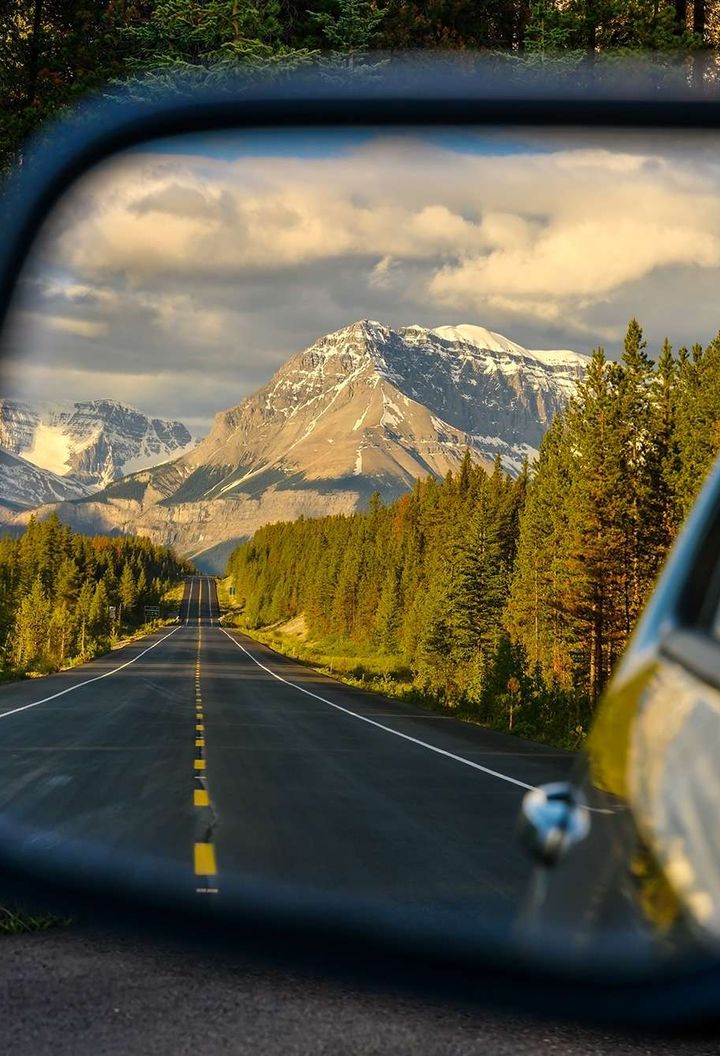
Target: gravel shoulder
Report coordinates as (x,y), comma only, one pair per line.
(75,990)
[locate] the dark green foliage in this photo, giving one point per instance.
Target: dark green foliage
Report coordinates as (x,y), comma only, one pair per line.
(52,52)
(578,28)
(65,596)
(352,27)
(698,418)
(616,473)
(425,579)
(511,600)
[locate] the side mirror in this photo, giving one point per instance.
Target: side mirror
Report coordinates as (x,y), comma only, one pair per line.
(553,818)
(336,773)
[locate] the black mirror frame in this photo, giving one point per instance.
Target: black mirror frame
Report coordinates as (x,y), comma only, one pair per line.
(391,950)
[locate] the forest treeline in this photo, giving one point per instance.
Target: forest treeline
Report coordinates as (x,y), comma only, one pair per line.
(511,599)
(54,51)
(64,597)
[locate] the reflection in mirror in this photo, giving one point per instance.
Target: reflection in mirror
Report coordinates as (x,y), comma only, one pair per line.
(335,472)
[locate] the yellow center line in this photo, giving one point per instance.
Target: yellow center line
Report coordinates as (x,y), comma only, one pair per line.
(203,851)
(205,859)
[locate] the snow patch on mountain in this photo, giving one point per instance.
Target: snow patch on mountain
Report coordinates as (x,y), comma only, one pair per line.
(25,486)
(95,442)
(51,449)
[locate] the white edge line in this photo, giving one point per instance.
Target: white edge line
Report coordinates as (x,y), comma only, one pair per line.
(396,733)
(88,681)
(380,726)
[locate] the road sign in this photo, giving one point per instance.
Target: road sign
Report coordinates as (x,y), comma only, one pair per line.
(152,612)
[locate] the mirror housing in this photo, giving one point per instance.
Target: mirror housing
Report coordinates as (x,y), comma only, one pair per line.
(397,949)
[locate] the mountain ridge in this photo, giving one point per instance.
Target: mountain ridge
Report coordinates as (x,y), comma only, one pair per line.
(91,442)
(365,408)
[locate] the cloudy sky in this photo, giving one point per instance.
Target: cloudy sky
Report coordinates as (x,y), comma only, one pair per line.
(178,278)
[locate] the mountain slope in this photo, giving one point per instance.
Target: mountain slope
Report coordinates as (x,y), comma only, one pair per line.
(367,408)
(93,443)
(24,486)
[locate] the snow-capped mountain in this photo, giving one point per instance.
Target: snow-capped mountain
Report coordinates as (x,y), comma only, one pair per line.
(24,486)
(91,443)
(366,408)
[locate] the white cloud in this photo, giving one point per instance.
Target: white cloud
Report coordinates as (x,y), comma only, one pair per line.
(381,274)
(80,327)
(545,228)
(171,265)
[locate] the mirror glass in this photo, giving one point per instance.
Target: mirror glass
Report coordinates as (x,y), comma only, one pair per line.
(335,470)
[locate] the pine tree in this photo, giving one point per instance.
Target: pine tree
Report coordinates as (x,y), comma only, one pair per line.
(351,29)
(698,418)
(127,591)
(32,629)
(481,589)
(98,614)
(640,519)
(533,615)
(142,586)
(387,619)
(594,589)
(667,465)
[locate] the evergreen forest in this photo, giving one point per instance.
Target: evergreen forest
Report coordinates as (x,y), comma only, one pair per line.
(54,52)
(65,597)
(507,600)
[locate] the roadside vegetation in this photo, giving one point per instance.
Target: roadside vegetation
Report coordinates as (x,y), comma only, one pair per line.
(504,601)
(66,598)
(16,921)
(53,52)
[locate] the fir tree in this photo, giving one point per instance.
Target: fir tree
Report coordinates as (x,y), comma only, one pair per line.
(127,591)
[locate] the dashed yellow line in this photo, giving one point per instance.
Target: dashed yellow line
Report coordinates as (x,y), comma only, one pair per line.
(204,861)
(205,864)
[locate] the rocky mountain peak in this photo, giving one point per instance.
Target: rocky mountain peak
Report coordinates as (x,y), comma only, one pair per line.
(365,408)
(91,442)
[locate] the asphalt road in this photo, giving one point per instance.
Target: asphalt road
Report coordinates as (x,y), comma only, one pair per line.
(206,749)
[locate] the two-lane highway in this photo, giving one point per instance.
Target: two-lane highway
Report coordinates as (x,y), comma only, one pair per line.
(204,748)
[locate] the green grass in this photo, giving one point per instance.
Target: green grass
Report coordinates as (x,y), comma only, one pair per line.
(376,672)
(353,664)
(15,921)
(172,598)
(227,602)
(373,671)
